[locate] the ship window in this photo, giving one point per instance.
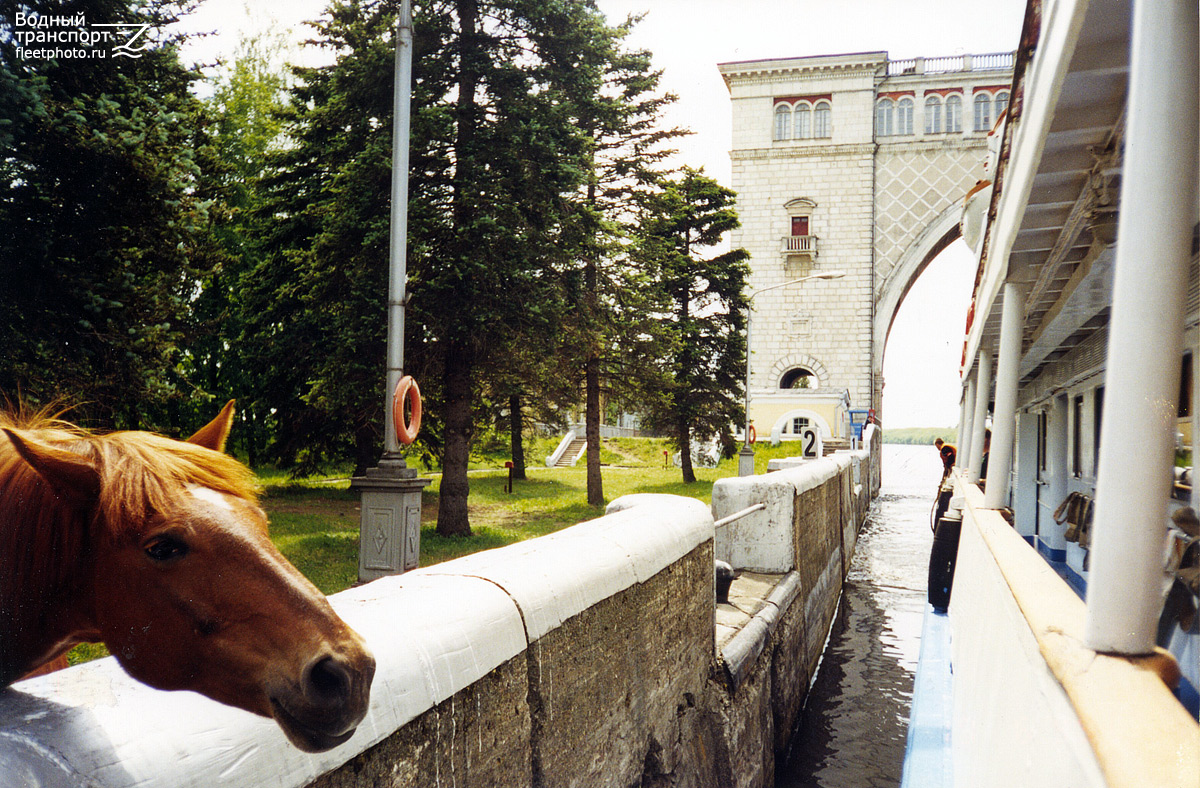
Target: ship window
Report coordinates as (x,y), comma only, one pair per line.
(1185,387)
(1042,435)
(1077,436)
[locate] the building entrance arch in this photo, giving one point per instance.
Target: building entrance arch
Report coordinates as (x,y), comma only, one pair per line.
(928,244)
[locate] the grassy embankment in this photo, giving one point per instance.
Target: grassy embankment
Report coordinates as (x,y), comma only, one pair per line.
(314,522)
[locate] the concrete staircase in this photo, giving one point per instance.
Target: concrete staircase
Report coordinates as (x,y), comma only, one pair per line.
(572,454)
(833,444)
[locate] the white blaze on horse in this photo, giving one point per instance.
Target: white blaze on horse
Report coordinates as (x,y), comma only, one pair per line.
(158,548)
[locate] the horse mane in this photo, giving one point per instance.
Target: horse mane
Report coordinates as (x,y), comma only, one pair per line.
(140,472)
(45,534)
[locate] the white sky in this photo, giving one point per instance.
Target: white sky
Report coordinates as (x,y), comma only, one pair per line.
(688,38)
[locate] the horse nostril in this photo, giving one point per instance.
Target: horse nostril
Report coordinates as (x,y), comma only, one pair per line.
(327,679)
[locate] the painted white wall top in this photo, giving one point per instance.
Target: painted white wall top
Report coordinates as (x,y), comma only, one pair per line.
(93,725)
(433,632)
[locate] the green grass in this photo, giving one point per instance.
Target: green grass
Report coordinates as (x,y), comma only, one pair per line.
(314,522)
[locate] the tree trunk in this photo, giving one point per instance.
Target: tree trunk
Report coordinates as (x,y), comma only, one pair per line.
(518,443)
(453,519)
(595,482)
(685,452)
(364,448)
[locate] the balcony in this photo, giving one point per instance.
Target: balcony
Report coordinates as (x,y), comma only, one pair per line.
(799,245)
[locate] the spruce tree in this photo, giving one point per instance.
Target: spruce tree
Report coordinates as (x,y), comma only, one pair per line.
(681,225)
(105,221)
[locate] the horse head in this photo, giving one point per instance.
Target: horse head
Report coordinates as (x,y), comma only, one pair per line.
(188,592)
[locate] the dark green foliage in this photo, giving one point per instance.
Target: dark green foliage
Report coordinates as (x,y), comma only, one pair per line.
(104,219)
(707,317)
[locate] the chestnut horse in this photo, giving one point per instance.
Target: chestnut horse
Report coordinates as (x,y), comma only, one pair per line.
(158,548)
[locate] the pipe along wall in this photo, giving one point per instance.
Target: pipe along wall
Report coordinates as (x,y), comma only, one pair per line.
(587,657)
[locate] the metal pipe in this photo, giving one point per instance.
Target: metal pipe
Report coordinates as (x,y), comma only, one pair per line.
(398,237)
(1004,420)
(1150,285)
(983,391)
(739,515)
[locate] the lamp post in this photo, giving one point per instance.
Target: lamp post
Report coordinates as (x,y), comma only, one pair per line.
(746,455)
(389,540)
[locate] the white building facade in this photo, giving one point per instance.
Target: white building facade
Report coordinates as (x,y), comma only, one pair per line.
(855,164)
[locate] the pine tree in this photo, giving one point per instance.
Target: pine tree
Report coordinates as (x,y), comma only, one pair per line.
(707,317)
(105,222)
(615,336)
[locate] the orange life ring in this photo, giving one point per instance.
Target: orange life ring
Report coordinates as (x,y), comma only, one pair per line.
(406,432)
(753,435)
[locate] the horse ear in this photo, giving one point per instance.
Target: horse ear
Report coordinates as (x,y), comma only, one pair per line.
(67,472)
(214,434)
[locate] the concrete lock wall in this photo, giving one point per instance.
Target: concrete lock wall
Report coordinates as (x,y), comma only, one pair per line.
(806,535)
(587,657)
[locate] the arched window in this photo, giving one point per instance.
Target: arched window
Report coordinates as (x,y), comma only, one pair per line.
(983,112)
(798,378)
(904,116)
(933,115)
(803,121)
(823,120)
(954,114)
(783,122)
(1001,103)
(885,114)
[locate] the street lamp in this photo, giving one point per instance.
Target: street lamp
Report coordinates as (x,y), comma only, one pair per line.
(746,455)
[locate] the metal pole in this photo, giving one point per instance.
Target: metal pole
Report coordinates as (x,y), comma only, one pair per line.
(1150,284)
(398,241)
(1004,420)
(983,392)
(968,423)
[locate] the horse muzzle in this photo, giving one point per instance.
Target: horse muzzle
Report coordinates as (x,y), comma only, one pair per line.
(324,707)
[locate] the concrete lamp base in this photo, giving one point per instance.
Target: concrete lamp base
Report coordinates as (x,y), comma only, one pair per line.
(389,533)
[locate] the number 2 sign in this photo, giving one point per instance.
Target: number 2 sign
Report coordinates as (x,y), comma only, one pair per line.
(810,443)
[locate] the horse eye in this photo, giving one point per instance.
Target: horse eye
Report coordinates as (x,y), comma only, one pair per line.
(165,548)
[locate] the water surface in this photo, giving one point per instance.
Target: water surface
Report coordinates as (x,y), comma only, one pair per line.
(854,725)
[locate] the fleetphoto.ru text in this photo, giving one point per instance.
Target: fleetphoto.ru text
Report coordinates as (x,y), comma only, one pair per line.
(47,37)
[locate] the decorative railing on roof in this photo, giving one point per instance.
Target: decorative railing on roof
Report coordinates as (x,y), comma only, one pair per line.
(995,61)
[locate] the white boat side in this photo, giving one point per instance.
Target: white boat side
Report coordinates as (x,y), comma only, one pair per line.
(1084,323)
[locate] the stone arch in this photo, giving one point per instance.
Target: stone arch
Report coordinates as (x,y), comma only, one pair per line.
(799,360)
(814,418)
(928,244)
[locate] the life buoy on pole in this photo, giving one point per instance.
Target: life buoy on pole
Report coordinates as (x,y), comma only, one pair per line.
(753,435)
(406,389)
